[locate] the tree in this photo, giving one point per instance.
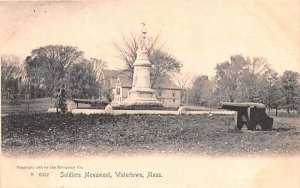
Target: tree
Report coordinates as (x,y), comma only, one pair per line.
(163,64)
(227,77)
(184,81)
(81,81)
(105,91)
(10,75)
(48,65)
(10,67)
(270,92)
(298,101)
(241,78)
(98,66)
(201,91)
(251,80)
(289,86)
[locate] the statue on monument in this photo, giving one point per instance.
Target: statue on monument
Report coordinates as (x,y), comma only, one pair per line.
(142,39)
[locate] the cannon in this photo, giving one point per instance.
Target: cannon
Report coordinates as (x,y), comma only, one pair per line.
(249,114)
(95,103)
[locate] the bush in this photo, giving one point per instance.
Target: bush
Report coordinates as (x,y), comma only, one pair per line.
(99,105)
(143,107)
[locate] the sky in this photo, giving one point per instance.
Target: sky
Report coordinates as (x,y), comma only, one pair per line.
(199,33)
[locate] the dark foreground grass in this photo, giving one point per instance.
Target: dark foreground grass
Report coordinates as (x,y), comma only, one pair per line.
(52,134)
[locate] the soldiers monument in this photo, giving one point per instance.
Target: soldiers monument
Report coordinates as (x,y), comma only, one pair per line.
(141,93)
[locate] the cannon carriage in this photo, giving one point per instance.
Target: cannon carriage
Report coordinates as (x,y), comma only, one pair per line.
(250,114)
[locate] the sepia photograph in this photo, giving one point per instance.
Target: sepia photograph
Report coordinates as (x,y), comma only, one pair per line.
(189,93)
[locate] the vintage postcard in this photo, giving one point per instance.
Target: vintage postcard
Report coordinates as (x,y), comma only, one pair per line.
(189,93)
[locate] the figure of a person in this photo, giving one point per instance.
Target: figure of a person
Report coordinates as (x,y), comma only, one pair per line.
(57,93)
(143,37)
(63,95)
(61,99)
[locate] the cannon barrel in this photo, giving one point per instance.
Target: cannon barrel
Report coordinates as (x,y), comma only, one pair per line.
(238,106)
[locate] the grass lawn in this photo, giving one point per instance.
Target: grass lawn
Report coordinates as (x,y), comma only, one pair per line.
(17,106)
(66,134)
(29,106)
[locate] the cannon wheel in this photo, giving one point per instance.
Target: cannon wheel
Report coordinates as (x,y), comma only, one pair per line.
(265,127)
(252,125)
(239,124)
(241,121)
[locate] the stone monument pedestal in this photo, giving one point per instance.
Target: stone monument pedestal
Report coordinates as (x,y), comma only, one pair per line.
(142,97)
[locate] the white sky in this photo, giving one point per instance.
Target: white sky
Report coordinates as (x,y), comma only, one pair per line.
(198,33)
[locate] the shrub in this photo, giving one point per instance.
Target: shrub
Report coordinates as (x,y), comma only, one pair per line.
(143,107)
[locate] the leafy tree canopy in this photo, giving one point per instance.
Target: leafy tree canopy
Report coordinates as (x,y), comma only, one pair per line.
(163,64)
(49,64)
